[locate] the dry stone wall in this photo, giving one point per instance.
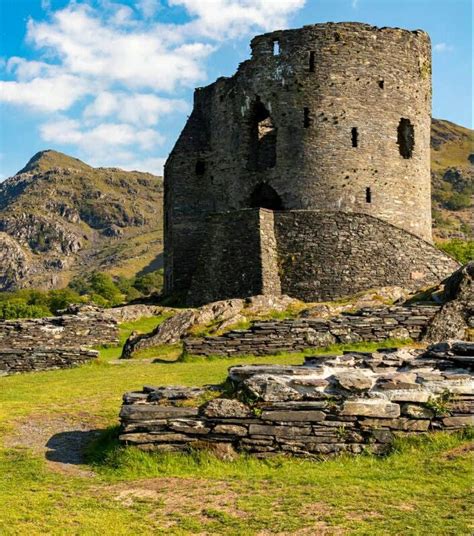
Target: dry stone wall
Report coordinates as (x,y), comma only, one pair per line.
(67,331)
(368,324)
(16,360)
(331,404)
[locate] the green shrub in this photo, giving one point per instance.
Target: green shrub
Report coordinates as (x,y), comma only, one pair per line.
(18,308)
(458,201)
(461,250)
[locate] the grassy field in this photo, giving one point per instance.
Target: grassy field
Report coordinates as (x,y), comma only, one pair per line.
(422,487)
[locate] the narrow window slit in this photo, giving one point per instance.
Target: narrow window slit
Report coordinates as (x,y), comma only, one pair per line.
(381,84)
(355,137)
(200,167)
(276,47)
(311,61)
(306,118)
(406,137)
(368,195)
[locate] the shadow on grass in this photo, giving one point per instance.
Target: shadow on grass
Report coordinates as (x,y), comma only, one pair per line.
(70,447)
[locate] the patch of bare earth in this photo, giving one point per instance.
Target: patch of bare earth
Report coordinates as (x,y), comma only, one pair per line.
(459,451)
(61,439)
(175,497)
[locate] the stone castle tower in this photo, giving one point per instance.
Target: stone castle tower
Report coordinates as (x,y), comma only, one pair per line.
(308,171)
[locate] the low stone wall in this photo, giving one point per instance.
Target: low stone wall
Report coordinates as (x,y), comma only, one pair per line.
(352,403)
(16,360)
(67,331)
(269,337)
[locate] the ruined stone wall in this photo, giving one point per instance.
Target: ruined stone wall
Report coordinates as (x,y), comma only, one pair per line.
(67,331)
(325,255)
(293,335)
(16,360)
(310,255)
(338,120)
(352,403)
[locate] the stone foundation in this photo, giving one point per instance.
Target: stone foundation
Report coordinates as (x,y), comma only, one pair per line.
(16,360)
(331,404)
(368,324)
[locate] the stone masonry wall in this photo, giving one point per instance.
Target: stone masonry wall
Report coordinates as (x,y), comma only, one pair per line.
(67,331)
(292,335)
(351,403)
(16,360)
(335,118)
(325,255)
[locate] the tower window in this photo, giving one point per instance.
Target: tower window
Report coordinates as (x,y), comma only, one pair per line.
(276,47)
(368,195)
(200,167)
(311,61)
(263,138)
(355,137)
(406,137)
(381,84)
(306,118)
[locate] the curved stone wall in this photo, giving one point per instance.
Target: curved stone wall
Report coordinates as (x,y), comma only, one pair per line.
(338,120)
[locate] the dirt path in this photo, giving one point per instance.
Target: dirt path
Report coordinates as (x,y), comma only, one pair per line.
(61,439)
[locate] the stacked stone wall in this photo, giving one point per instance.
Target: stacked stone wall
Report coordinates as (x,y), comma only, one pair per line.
(17,360)
(67,331)
(348,403)
(325,255)
(292,335)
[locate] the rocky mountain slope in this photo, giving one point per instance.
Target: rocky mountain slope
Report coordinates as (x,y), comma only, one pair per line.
(60,217)
(452,176)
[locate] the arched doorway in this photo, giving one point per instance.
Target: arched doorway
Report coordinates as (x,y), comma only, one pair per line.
(264,196)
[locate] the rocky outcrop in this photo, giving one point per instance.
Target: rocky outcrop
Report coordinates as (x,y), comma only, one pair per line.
(346,403)
(220,315)
(456,317)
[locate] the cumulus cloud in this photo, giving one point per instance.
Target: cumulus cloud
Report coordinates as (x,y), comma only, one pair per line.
(100,138)
(134,108)
(442,47)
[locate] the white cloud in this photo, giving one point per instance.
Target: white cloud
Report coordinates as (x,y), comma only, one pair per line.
(134,108)
(442,47)
(45,94)
(148,8)
(100,138)
(224,19)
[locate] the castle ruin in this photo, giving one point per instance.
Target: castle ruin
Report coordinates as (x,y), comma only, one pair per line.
(308,171)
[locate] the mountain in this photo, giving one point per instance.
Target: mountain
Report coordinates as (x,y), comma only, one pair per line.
(60,217)
(452,180)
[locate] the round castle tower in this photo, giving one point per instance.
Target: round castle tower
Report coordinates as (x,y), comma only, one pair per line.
(329,117)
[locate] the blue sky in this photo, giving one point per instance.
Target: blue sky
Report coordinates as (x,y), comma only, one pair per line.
(111,81)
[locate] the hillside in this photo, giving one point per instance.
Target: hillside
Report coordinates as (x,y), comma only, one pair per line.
(60,217)
(452,176)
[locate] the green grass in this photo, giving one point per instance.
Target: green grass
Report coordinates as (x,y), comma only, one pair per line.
(418,489)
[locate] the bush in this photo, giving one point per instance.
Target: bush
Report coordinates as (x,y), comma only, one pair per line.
(458,201)
(461,250)
(19,308)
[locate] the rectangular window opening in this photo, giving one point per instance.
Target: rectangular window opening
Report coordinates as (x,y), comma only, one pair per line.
(276,47)
(311,61)
(368,195)
(355,137)
(306,118)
